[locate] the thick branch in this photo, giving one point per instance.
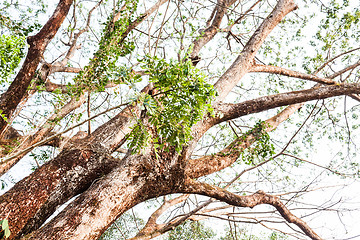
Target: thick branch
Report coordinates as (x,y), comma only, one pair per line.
(226,157)
(304,76)
(243,63)
(127,185)
(251,201)
(231,111)
(38,43)
(32,200)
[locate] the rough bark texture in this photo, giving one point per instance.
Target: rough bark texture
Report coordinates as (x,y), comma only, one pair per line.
(134,181)
(32,200)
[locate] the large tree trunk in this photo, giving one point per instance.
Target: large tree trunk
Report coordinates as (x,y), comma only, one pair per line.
(135,180)
(109,186)
(32,200)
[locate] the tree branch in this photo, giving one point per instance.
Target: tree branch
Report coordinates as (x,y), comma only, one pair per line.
(244,61)
(251,201)
(38,43)
(304,76)
(42,132)
(290,73)
(230,111)
(209,33)
(212,163)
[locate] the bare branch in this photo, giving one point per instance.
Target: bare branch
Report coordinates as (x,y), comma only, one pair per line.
(231,111)
(209,33)
(334,58)
(290,73)
(251,201)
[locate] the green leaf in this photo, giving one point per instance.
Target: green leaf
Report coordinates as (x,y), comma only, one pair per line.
(5,224)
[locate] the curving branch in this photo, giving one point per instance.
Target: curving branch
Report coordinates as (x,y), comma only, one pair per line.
(258,198)
(153,229)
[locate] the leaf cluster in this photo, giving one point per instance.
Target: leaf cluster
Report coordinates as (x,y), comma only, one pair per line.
(179,99)
(262,147)
(104,66)
(11,53)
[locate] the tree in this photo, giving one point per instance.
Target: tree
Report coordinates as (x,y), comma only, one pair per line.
(158,109)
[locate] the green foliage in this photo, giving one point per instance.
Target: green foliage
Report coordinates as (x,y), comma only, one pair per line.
(337,32)
(5,231)
(2,115)
(103,67)
(262,147)
(179,99)
(3,184)
(191,231)
(11,53)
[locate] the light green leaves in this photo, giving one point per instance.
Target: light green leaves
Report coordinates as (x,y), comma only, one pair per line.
(262,147)
(179,99)
(5,232)
(104,67)
(11,53)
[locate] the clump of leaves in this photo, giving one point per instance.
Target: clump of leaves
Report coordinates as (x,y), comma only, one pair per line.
(5,231)
(262,147)
(103,67)
(11,53)
(180,98)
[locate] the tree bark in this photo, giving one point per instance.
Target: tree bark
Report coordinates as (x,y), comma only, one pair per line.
(32,200)
(88,216)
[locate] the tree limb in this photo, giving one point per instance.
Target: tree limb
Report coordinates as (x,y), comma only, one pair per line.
(258,198)
(244,61)
(209,33)
(230,111)
(212,163)
(38,43)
